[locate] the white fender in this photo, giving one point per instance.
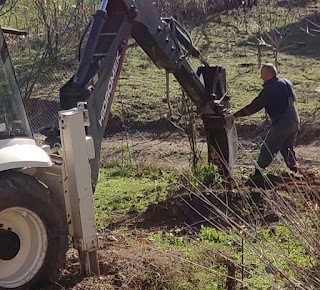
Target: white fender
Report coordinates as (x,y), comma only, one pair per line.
(21,153)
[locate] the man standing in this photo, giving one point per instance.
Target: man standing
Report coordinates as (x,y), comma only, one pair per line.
(279,101)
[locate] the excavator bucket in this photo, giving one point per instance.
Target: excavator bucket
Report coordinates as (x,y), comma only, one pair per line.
(221,133)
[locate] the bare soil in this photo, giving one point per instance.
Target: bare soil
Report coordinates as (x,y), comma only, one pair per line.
(123,265)
(171,148)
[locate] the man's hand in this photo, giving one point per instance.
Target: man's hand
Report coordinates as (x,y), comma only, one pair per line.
(230,117)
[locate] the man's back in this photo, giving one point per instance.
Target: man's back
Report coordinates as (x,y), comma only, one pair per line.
(279,100)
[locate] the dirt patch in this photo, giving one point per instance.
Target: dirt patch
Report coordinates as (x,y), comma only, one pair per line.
(309,132)
(168,150)
(172,149)
(307,185)
(308,156)
(124,265)
(139,267)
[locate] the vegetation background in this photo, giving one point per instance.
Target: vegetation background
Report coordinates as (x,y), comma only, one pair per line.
(151,182)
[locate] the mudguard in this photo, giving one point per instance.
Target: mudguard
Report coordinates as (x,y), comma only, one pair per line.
(21,153)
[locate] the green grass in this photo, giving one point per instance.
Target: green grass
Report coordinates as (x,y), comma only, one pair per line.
(144,86)
(128,189)
(209,251)
(125,190)
(119,192)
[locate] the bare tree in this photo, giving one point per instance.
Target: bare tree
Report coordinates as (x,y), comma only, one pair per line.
(59,20)
(7,6)
(274,27)
(53,27)
(312,25)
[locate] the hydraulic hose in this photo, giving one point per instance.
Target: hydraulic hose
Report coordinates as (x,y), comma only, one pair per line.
(175,26)
(104,5)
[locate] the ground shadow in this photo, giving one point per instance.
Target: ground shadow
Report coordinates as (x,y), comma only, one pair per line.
(294,3)
(300,39)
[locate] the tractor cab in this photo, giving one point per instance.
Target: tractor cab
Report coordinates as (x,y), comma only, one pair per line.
(13,119)
(18,149)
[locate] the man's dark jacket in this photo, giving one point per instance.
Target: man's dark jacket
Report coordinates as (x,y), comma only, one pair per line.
(278,99)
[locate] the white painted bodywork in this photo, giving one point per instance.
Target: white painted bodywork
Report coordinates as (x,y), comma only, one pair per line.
(76,150)
(30,258)
(22,153)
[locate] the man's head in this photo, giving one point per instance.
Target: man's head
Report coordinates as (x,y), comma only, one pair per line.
(268,71)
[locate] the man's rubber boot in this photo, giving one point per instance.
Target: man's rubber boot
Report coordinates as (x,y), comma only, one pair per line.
(256,180)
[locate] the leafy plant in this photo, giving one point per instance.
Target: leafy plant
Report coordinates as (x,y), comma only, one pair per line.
(209,174)
(212,235)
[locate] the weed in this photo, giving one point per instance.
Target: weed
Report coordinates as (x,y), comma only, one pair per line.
(123,193)
(209,174)
(212,235)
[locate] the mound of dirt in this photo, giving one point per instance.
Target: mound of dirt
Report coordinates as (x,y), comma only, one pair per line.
(205,209)
(309,133)
(308,184)
(238,204)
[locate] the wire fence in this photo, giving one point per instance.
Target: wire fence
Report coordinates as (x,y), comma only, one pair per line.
(147,138)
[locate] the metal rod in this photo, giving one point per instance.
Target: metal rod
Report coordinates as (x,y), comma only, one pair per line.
(14,31)
(203,61)
(104,4)
(168,93)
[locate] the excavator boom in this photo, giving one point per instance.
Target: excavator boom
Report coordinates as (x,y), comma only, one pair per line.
(168,45)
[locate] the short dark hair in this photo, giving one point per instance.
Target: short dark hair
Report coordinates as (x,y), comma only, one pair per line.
(269,67)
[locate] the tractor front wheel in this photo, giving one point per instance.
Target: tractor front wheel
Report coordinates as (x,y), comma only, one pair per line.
(33,232)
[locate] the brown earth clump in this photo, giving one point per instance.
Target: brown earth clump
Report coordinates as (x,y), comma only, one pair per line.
(125,265)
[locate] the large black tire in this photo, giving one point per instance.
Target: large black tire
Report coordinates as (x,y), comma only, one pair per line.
(24,197)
